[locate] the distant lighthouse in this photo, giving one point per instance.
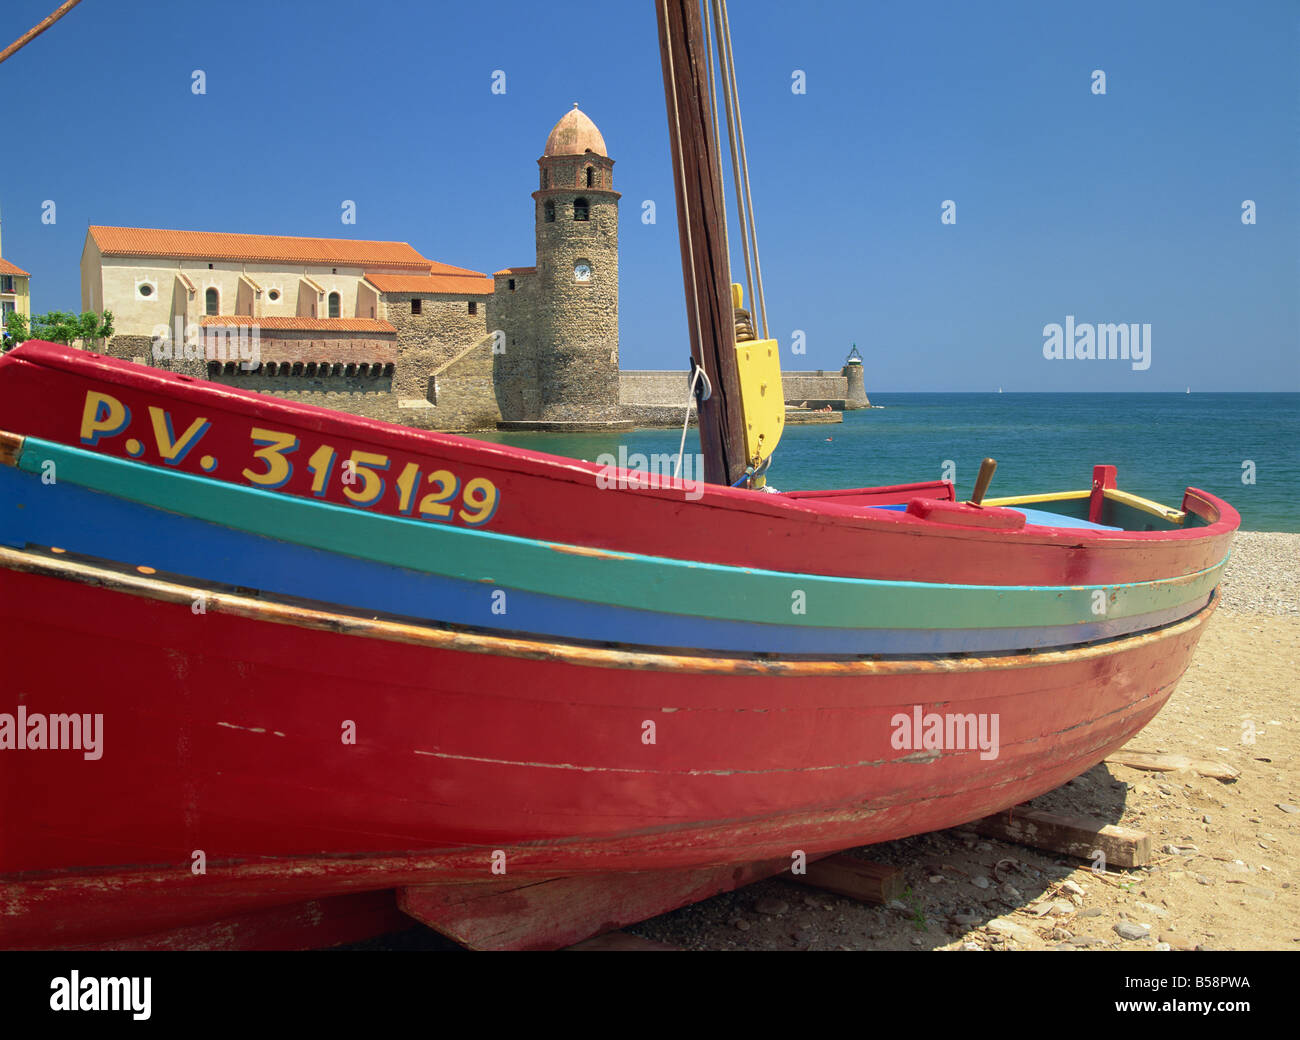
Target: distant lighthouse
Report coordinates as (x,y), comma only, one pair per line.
(857,392)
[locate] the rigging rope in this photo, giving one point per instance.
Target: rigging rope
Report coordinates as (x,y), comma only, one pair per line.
(690,399)
(739,160)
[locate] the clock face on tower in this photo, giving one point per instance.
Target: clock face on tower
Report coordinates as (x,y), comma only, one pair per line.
(582,271)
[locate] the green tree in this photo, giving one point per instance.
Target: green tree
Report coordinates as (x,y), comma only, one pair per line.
(59,327)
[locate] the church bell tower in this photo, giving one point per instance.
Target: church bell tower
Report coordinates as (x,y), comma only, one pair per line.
(577,274)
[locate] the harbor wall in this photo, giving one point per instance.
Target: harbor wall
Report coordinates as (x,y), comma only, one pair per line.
(652,397)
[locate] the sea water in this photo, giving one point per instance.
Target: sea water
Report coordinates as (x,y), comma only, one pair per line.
(1245,448)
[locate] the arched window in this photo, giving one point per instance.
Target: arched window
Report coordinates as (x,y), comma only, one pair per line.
(548,212)
(591,177)
(334,305)
(212,301)
(579,209)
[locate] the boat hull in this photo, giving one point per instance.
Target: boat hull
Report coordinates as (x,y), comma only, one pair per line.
(178,423)
(306,754)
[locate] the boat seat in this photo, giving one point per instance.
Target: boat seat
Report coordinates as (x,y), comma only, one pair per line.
(1038,517)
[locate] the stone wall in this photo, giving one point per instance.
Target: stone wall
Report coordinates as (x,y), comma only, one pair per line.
(653,387)
(131,348)
(291,385)
(657,416)
(465,399)
(647,395)
(818,388)
(515,373)
(425,341)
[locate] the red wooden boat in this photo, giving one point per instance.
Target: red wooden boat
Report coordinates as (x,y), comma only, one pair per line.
(254,706)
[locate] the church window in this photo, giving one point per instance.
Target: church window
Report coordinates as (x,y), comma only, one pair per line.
(579,209)
(212,301)
(591,175)
(548,211)
(334,304)
(473,306)
(415,305)
(274,295)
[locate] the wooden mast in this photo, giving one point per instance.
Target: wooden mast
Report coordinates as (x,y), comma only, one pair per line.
(706,270)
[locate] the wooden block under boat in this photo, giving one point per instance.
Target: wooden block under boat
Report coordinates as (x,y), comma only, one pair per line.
(1073,835)
(855,878)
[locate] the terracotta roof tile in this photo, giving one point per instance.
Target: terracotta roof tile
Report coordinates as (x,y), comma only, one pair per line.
(301,324)
(437,268)
(516,270)
(207,245)
(473,284)
(7,268)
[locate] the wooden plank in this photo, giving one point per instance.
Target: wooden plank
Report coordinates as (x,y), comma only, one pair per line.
(620,941)
(1103,478)
(855,878)
(701,224)
(528,914)
(1072,835)
(11,448)
(1152,762)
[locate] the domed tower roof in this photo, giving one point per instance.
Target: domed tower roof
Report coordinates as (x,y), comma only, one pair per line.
(574,134)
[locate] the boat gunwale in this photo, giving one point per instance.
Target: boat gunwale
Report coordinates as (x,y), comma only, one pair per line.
(1220,517)
(275,610)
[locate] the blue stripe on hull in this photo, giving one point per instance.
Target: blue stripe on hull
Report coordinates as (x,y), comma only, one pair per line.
(104,526)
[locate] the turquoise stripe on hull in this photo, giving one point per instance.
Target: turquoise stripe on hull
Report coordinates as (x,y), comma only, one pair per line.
(126,534)
(618,579)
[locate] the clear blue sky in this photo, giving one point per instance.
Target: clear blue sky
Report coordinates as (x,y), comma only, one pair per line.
(1117,208)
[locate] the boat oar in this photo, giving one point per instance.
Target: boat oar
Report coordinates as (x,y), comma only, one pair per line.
(982,481)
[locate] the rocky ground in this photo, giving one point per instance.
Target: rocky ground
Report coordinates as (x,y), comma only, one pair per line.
(1224,873)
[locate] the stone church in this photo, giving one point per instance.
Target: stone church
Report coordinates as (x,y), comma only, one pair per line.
(377,329)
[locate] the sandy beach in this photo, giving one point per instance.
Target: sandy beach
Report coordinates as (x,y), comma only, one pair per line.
(1223,873)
